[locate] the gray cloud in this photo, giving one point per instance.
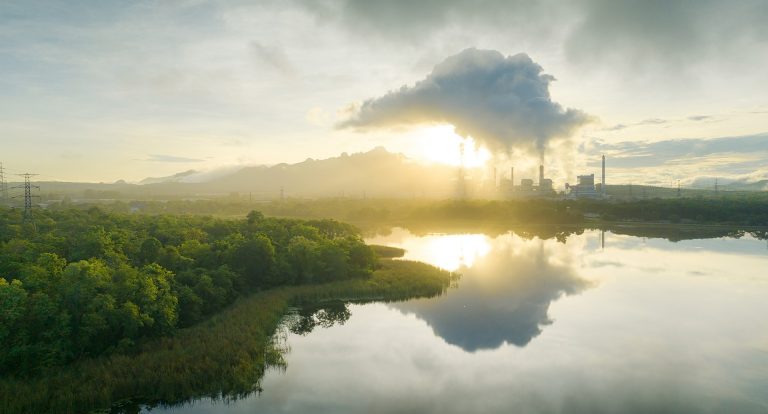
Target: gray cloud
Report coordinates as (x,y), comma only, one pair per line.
(681,148)
(170,158)
(652,121)
(669,33)
(617,127)
(633,34)
(273,57)
(659,121)
(696,161)
(415,21)
(503,102)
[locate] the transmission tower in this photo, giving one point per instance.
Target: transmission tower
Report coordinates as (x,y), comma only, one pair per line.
(3,186)
(27,186)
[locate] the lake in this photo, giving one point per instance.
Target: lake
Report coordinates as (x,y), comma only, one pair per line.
(602,323)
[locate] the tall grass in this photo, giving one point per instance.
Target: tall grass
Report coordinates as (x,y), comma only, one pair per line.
(223,357)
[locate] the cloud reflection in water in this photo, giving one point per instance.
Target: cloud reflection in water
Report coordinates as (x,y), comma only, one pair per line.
(506,289)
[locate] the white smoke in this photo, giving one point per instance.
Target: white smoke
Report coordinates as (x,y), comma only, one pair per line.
(502,102)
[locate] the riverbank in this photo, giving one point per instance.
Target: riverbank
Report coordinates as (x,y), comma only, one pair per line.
(222,357)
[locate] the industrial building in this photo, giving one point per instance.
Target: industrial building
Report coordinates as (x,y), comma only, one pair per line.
(527,188)
(585,186)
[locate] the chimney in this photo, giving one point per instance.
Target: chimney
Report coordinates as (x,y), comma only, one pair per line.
(541,175)
(602,183)
(512,176)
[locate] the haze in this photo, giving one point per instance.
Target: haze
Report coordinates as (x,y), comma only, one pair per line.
(102,91)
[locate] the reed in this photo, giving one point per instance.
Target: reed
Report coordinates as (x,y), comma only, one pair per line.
(224,357)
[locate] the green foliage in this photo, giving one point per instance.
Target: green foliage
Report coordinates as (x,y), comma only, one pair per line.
(85,283)
(222,357)
(743,211)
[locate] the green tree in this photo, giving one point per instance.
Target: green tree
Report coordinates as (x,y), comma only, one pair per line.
(150,250)
(255,260)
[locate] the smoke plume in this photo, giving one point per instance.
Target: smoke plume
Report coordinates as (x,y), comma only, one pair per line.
(502,102)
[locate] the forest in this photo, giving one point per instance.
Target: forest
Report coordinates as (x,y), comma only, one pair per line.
(76,284)
(737,208)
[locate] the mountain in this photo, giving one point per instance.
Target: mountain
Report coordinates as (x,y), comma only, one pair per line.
(761,185)
(376,173)
(175,178)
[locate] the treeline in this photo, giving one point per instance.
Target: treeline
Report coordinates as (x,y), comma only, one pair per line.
(746,211)
(82,283)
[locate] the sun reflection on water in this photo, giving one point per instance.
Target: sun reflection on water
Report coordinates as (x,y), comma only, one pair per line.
(450,252)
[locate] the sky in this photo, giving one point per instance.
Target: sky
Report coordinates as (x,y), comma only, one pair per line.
(107,90)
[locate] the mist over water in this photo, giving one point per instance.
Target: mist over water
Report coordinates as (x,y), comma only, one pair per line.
(601,323)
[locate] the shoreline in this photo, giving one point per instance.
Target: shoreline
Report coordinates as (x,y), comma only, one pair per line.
(223,357)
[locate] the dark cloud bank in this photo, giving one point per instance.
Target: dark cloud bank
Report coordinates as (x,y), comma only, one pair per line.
(635,34)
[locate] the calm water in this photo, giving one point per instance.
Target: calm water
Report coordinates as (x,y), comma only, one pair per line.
(537,326)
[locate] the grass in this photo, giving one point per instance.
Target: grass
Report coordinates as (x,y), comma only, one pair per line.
(223,357)
(387,252)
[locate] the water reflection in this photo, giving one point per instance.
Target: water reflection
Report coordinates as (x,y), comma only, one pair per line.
(303,320)
(639,325)
(504,296)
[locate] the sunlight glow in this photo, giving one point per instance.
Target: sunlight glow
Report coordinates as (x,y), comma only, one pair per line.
(441,144)
(449,252)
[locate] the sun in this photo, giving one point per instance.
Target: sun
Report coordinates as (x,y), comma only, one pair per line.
(441,144)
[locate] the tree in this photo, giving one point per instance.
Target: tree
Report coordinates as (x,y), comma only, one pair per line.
(255,260)
(150,250)
(302,258)
(333,262)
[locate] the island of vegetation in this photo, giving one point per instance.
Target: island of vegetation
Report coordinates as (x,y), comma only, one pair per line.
(101,309)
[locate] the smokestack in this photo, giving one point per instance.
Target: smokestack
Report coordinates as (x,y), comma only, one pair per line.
(494,177)
(602,185)
(541,175)
(512,176)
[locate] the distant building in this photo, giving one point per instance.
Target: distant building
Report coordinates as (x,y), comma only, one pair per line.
(527,188)
(584,188)
(545,185)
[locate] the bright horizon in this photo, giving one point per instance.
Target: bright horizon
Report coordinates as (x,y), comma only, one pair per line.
(108,91)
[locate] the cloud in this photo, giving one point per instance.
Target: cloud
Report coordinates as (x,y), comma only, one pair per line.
(692,147)
(652,121)
(665,33)
(740,158)
(170,158)
(503,102)
(660,121)
(617,127)
(273,57)
(632,34)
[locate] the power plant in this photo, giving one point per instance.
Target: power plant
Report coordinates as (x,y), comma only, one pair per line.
(495,186)
(585,186)
(527,187)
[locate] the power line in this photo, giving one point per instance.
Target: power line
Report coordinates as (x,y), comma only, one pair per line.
(27,186)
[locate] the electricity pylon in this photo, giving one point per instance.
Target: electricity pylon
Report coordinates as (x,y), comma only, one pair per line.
(27,186)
